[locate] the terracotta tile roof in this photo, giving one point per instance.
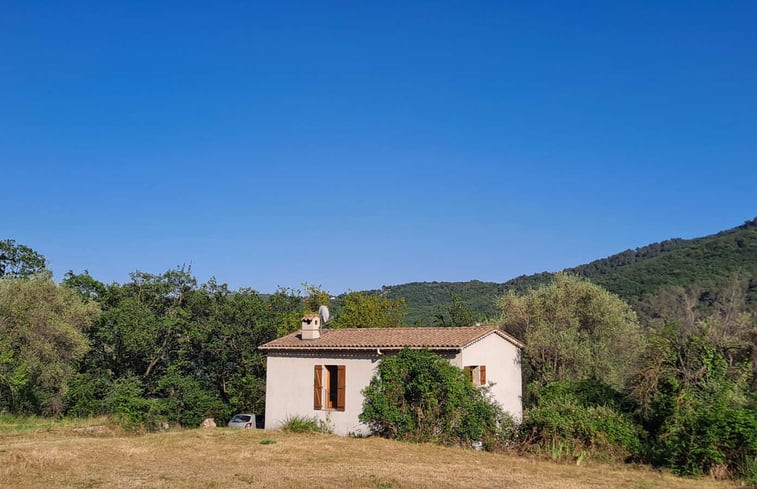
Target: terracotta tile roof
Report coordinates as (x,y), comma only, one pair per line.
(389,338)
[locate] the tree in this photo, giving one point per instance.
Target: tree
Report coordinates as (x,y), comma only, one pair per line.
(696,406)
(86,286)
(370,311)
(17,260)
(416,395)
(41,338)
(168,349)
(456,313)
(574,330)
(315,298)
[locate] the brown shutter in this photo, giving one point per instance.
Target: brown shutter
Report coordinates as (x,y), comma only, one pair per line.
(318,387)
(340,387)
(482,371)
(468,373)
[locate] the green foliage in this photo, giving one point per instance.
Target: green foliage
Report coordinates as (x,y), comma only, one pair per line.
(186,402)
(19,261)
(697,406)
(302,424)
(86,395)
(574,330)
(369,311)
(41,338)
(190,349)
(426,300)
(419,396)
(315,298)
(127,403)
(456,313)
(580,419)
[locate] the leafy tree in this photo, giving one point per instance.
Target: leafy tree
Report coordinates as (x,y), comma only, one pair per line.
(17,260)
(315,298)
(456,313)
(86,286)
(190,349)
(417,395)
(41,338)
(719,314)
(574,330)
(369,311)
(286,309)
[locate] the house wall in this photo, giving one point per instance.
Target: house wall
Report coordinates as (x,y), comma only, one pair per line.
(289,389)
(502,360)
(289,381)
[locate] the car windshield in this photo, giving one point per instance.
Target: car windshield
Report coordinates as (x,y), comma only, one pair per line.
(241,418)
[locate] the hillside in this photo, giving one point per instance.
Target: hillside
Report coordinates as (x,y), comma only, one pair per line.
(635,275)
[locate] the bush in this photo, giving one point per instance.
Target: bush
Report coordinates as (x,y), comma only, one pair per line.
(580,419)
(419,396)
(134,412)
(303,424)
(185,401)
(86,395)
(704,422)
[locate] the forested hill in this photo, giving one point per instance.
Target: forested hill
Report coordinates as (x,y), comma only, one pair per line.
(635,275)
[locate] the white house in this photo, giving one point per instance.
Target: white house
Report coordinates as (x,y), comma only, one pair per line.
(321,373)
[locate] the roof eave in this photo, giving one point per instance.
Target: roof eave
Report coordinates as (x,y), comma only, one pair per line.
(358,348)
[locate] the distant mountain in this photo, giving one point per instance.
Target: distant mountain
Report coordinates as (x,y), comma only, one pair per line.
(634,275)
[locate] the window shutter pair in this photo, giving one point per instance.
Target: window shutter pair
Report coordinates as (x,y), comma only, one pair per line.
(318,387)
(470,372)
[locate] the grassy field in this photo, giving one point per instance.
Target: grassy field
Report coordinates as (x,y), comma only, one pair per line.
(92,455)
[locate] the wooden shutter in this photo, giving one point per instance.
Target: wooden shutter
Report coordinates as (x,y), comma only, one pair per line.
(482,372)
(340,387)
(468,373)
(318,387)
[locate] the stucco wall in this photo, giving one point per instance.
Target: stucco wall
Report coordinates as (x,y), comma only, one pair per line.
(502,360)
(289,389)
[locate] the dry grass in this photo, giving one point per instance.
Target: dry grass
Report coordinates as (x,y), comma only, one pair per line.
(80,457)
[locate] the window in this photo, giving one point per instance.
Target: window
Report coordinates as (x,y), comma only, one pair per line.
(328,387)
(476,374)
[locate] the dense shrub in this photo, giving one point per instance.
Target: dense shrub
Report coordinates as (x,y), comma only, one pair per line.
(700,440)
(187,402)
(86,395)
(127,404)
(580,419)
(709,425)
(419,396)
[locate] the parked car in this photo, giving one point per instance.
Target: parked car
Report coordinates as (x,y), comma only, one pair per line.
(246,421)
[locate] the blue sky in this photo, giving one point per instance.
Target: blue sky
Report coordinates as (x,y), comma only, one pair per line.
(360,144)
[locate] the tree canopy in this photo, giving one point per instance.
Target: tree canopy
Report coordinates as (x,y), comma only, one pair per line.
(574,330)
(369,311)
(43,330)
(17,260)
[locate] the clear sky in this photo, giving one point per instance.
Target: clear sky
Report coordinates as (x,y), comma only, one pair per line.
(360,144)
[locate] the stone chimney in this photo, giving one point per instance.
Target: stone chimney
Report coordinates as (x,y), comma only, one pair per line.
(311,327)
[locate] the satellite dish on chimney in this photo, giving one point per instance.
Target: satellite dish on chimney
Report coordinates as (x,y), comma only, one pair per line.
(324,312)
